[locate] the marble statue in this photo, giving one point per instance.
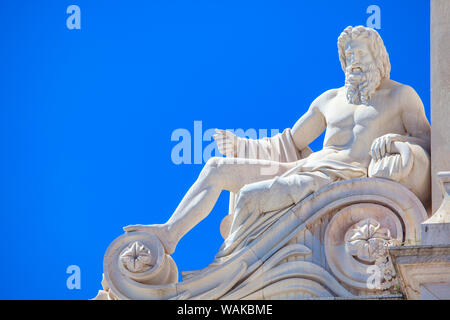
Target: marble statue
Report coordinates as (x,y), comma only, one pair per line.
(325,215)
(362,119)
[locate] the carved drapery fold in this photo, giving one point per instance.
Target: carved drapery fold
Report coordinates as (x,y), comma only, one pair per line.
(408,164)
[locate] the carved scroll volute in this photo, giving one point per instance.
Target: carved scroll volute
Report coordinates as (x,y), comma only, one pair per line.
(356,242)
(136,260)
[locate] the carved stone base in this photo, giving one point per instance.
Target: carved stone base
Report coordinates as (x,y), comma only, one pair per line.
(436,230)
(424,271)
(333,244)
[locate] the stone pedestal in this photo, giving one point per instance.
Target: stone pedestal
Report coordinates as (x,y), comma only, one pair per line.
(424,271)
(436,230)
(440,94)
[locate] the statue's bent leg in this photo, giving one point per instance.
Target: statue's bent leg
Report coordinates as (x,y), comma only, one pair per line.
(275,194)
(218,174)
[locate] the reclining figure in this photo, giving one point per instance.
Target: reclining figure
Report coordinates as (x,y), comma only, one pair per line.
(375,127)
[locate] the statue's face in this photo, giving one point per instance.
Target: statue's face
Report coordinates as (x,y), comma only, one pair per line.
(358,55)
(362,76)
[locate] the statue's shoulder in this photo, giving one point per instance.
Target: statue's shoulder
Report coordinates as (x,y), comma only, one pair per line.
(332,93)
(326,97)
(397,89)
(402,95)
(320,104)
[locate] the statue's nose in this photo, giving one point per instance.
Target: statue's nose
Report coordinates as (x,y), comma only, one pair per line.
(354,58)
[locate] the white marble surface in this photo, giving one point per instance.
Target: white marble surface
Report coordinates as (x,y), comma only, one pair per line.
(303,224)
(436,230)
(440,93)
(371,120)
(424,271)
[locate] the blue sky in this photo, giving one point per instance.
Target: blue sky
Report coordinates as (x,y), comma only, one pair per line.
(87,115)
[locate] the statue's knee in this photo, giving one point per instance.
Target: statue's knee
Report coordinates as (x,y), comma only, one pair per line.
(245,192)
(213,168)
(213,162)
(246,196)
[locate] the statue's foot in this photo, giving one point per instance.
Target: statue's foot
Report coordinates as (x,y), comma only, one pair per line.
(159,230)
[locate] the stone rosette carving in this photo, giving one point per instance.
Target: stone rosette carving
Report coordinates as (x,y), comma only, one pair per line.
(363,239)
(134,261)
(368,242)
(356,242)
(136,257)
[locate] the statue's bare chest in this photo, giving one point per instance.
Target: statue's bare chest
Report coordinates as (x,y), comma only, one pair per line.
(348,115)
(341,114)
(347,122)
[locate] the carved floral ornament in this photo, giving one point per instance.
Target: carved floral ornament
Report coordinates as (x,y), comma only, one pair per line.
(136,257)
(368,242)
(363,239)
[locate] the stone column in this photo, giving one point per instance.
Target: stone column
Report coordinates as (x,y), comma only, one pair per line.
(436,230)
(440,95)
(425,270)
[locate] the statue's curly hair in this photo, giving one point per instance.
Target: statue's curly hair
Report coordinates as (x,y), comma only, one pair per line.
(376,46)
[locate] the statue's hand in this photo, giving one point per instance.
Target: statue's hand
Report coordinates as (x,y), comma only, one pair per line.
(383,145)
(226,142)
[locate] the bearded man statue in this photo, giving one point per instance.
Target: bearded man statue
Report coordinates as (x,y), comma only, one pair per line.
(375,127)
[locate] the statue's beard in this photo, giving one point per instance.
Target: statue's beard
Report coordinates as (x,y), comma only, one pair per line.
(360,85)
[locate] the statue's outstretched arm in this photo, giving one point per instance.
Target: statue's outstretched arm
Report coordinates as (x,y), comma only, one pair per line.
(279,148)
(290,145)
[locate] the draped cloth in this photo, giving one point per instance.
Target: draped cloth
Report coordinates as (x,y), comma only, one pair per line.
(281,148)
